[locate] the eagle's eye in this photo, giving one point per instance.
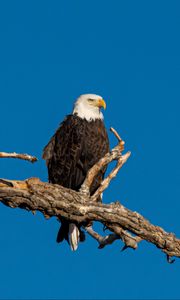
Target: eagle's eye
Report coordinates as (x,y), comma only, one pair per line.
(90,100)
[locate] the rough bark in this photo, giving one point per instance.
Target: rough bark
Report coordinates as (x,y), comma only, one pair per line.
(56,201)
(53,200)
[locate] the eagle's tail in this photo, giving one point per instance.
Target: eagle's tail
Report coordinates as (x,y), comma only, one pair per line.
(73,236)
(71,233)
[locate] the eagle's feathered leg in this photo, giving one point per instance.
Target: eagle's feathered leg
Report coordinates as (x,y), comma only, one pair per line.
(63,231)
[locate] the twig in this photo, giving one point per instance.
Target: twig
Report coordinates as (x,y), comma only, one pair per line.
(17,155)
(121,142)
(105,183)
(127,238)
(109,157)
(102,240)
(116,134)
(115,154)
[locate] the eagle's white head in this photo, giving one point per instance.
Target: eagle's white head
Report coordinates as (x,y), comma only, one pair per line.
(88,107)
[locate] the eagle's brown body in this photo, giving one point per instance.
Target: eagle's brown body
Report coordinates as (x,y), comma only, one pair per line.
(75,147)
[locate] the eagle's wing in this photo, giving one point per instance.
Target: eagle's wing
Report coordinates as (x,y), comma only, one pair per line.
(48,150)
(63,153)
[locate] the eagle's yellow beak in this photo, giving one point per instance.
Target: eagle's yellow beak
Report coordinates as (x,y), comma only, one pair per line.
(102,103)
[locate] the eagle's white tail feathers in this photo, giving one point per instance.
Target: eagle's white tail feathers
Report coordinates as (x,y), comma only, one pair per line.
(73,236)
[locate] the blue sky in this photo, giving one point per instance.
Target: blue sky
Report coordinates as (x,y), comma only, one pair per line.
(128,52)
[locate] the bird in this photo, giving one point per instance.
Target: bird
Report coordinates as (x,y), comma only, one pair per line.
(80,142)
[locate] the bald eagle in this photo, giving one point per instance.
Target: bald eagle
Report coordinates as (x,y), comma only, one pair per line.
(79,142)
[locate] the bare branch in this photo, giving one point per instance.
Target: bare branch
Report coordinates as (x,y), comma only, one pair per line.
(129,240)
(102,240)
(116,134)
(54,200)
(105,183)
(17,155)
(115,154)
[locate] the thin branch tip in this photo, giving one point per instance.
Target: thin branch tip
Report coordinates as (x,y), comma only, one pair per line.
(116,134)
(19,156)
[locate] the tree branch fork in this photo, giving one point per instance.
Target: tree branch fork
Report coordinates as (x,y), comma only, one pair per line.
(56,201)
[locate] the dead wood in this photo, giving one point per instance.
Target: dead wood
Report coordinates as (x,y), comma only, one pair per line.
(53,200)
(17,155)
